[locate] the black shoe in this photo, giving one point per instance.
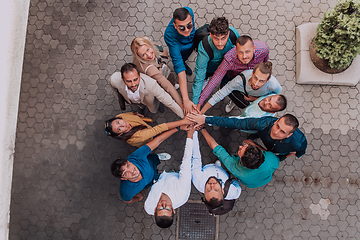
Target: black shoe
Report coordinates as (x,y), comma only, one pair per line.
(161,108)
(188,70)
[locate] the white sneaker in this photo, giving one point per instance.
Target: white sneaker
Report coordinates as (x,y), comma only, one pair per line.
(177,86)
(218,163)
(164,156)
(229,106)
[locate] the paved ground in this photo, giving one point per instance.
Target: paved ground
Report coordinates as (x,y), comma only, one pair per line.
(62,186)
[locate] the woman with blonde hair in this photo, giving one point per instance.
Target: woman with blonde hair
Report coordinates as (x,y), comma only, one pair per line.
(149,60)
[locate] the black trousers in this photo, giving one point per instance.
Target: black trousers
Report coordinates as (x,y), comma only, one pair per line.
(236,96)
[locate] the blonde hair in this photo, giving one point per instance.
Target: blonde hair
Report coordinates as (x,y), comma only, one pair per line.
(137,43)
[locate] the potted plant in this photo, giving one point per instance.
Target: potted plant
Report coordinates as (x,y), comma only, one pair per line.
(337,39)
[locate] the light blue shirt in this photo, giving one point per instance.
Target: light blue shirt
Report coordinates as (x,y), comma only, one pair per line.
(272,86)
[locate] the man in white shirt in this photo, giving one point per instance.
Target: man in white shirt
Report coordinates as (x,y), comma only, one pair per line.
(210,180)
(138,88)
(258,82)
(172,190)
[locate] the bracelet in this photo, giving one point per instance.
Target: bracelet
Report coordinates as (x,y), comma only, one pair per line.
(200,130)
(178,128)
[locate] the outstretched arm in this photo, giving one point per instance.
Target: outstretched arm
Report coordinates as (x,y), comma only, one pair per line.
(175,124)
(136,198)
(159,139)
(209,139)
(188,104)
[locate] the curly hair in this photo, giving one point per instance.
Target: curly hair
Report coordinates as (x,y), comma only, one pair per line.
(219,26)
(252,158)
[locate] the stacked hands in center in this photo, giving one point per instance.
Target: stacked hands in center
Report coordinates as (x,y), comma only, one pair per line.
(241,68)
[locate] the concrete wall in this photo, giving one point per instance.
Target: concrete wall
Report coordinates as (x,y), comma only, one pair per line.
(13,22)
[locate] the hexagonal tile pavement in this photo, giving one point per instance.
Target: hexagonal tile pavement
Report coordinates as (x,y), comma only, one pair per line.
(62,186)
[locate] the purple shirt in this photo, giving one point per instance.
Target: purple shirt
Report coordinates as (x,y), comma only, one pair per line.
(233,64)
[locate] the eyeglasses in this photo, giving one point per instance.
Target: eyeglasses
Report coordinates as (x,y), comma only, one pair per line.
(188,26)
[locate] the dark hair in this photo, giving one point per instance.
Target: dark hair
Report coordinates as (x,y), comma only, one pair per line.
(243,39)
(252,158)
(124,136)
(181,14)
(164,221)
(213,202)
(128,67)
(282,102)
(291,120)
(116,167)
(264,67)
(219,26)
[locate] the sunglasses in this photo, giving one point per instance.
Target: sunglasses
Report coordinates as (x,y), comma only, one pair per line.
(188,26)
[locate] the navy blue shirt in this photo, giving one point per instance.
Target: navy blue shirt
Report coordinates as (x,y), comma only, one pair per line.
(147,164)
(295,143)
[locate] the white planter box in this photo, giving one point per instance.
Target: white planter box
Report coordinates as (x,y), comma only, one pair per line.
(307,73)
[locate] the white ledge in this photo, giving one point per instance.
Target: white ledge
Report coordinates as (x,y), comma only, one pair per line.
(307,73)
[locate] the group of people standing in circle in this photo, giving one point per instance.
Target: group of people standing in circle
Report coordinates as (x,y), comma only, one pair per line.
(242,68)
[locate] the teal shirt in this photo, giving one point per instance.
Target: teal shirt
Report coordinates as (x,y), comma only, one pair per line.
(203,65)
(251,178)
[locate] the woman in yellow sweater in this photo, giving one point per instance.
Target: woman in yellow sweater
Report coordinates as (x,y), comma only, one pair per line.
(132,127)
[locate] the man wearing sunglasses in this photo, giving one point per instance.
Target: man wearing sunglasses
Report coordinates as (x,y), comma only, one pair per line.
(211,51)
(172,190)
(179,37)
(252,165)
(211,181)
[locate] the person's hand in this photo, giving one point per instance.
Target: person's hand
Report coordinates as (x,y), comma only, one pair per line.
(199,127)
(250,98)
(186,121)
(196,118)
(291,154)
(138,114)
(190,131)
(249,142)
(189,106)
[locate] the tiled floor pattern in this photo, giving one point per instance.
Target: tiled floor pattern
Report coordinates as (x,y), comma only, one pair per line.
(62,186)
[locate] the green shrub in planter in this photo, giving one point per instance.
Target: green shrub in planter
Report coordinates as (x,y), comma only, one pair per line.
(338,35)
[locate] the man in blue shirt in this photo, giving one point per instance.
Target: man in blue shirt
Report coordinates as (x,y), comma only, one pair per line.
(220,41)
(139,170)
(280,136)
(179,37)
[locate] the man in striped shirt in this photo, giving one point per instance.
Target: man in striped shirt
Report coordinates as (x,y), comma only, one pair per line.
(245,55)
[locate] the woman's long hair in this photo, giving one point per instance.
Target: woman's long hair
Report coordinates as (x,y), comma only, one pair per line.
(137,43)
(124,136)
